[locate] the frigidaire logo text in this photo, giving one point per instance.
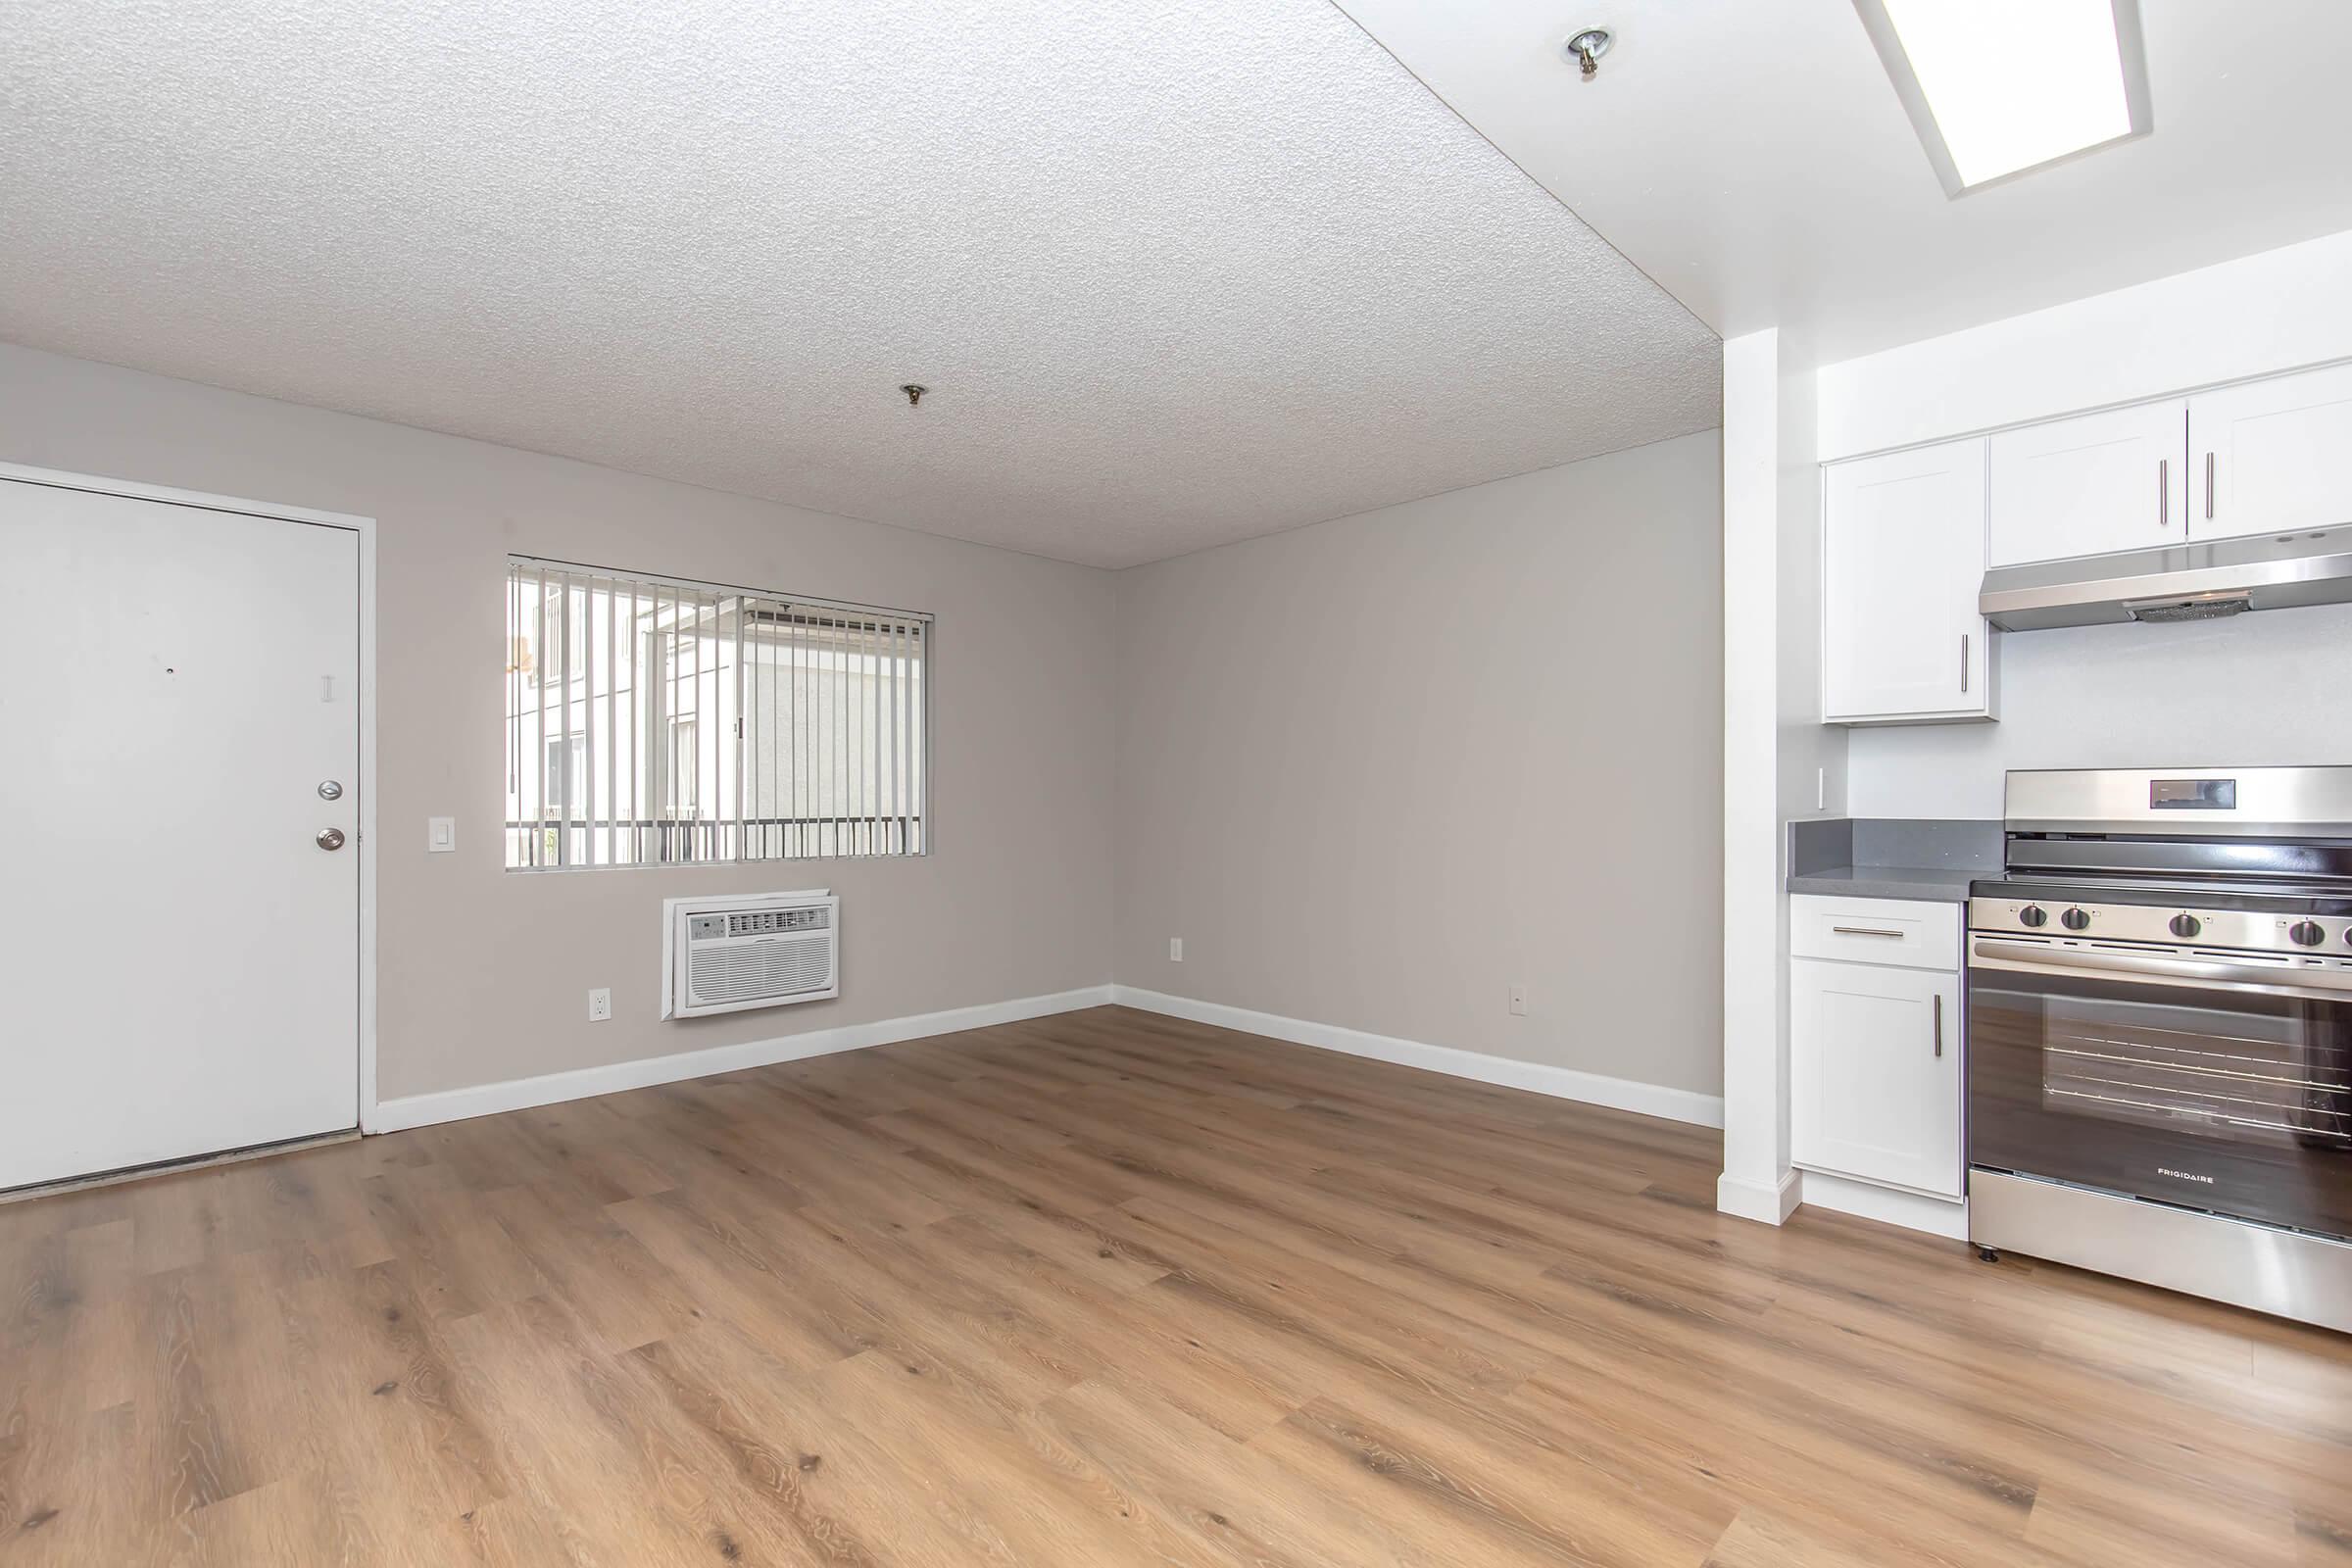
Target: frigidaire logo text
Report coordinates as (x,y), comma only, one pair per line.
(2183,1175)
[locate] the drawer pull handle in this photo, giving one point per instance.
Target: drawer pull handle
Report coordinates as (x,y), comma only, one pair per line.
(1865,931)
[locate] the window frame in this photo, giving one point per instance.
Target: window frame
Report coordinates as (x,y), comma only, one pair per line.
(587,574)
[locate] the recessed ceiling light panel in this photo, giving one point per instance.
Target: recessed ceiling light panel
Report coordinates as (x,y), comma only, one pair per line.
(1996,87)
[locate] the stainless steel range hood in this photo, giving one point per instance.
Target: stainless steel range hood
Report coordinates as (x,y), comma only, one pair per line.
(2174,582)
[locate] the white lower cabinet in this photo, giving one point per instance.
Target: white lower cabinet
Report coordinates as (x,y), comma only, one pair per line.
(1874,1071)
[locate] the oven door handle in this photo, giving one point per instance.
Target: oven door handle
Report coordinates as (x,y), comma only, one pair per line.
(2029,958)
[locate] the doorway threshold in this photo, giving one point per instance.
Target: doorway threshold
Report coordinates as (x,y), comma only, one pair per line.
(172,1167)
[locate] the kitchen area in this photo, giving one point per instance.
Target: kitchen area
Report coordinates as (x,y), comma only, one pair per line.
(2068,930)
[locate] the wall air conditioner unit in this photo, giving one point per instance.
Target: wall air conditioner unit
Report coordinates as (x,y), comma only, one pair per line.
(763,949)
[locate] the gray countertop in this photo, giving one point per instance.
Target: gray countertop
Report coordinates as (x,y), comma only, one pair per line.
(1943,883)
(1892,858)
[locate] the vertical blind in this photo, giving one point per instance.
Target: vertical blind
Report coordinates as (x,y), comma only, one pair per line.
(651,722)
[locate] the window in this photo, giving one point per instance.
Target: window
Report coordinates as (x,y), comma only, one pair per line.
(656,722)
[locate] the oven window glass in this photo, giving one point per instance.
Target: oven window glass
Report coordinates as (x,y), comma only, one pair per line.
(2236,1103)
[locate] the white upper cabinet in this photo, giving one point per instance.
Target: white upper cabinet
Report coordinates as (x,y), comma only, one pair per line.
(1907,536)
(2272,456)
(2091,485)
(1903,556)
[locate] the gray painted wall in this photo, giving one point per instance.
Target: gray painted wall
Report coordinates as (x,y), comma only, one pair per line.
(1374,771)
(483,975)
(1377,771)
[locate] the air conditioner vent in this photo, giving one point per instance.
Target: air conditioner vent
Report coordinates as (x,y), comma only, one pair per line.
(756,922)
(761,951)
(749,971)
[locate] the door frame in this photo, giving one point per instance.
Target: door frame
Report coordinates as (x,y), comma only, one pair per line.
(365,530)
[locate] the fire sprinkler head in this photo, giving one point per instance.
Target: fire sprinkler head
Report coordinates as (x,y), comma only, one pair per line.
(914,391)
(1587,48)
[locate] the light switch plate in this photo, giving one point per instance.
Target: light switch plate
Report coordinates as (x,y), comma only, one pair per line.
(441,834)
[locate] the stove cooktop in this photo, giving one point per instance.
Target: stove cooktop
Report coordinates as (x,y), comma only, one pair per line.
(2315,926)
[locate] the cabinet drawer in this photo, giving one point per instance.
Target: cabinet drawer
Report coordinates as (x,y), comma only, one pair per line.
(1911,934)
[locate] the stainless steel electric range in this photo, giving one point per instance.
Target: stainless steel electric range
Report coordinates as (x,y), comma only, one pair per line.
(2160,1033)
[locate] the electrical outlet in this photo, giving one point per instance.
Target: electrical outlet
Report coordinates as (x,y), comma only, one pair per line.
(1518,1001)
(600,1004)
(1175,950)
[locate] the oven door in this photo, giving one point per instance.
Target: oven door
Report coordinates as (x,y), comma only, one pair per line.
(2163,1073)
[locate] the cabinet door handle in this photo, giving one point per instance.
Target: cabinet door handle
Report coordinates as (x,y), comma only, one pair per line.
(2164,492)
(2207,487)
(1964,663)
(1862,931)
(1939,1025)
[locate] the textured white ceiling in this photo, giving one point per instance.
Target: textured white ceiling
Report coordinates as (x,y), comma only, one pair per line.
(1176,274)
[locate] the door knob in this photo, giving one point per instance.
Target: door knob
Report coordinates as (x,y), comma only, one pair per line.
(330,838)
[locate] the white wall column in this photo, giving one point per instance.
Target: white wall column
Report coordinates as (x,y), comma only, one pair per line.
(1778,759)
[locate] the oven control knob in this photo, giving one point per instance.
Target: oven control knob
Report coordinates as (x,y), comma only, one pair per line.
(2075,919)
(2306,933)
(2033,914)
(2186,925)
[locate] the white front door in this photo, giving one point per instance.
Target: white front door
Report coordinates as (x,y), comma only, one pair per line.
(178,953)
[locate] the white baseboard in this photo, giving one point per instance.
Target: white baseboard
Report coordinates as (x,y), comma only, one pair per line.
(1561,1083)
(1937,1216)
(517,1093)
(1767,1204)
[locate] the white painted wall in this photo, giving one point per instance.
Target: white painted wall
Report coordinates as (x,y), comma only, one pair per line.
(2277,311)
(2268,688)
(1811,775)
(2260,688)
(1778,760)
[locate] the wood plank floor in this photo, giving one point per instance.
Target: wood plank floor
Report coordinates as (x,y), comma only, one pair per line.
(1100,1290)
